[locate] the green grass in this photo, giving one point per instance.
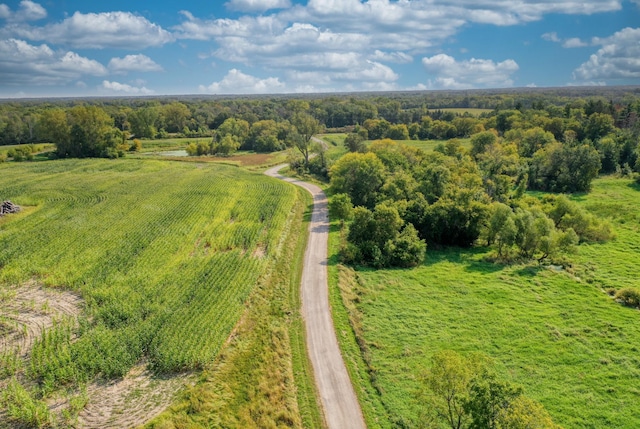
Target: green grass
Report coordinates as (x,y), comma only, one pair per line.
(556,333)
(262,377)
(429,145)
(160,145)
(164,254)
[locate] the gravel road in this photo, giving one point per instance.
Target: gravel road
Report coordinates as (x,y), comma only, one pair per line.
(339,402)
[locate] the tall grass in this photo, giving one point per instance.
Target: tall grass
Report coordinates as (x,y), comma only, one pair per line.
(552,330)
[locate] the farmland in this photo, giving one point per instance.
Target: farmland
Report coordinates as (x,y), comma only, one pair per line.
(552,330)
(159,258)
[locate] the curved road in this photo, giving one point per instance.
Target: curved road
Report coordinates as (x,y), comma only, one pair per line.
(339,402)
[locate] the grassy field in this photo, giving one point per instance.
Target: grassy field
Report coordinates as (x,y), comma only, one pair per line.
(555,332)
(164,256)
(462,110)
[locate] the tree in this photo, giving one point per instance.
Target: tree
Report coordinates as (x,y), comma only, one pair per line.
(525,413)
(488,400)
(480,141)
(340,207)
(143,122)
(238,128)
(307,126)
(175,116)
(447,385)
(359,175)
(226,146)
(355,143)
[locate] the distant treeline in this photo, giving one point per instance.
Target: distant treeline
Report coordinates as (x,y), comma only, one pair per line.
(99,124)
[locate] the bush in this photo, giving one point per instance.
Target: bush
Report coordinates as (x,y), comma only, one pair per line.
(629,296)
(23,409)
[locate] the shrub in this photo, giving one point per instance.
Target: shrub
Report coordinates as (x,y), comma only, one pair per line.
(629,296)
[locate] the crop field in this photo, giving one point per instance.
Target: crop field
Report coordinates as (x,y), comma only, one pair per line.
(155,259)
(555,331)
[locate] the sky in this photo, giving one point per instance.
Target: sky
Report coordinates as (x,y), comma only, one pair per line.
(162,47)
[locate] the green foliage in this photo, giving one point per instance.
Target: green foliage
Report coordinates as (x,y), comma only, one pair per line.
(564,168)
(629,296)
(23,409)
(340,207)
(481,141)
(360,176)
(355,143)
(380,241)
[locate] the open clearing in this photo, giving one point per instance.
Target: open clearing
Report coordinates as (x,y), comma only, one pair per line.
(553,331)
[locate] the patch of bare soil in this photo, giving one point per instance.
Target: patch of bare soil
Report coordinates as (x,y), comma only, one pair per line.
(130,401)
(27,311)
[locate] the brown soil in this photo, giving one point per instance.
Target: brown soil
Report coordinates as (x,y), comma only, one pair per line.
(25,312)
(130,401)
(29,310)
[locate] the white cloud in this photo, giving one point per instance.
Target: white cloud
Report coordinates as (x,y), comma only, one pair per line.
(27,11)
(24,64)
(391,57)
(124,88)
(135,63)
(122,30)
(236,82)
(5,12)
(257,5)
(618,58)
(449,73)
(574,42)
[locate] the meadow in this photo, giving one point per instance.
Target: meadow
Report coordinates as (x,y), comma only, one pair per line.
(164,256)
(553,330)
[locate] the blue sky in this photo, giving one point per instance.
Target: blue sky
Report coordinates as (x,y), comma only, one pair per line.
(82,48)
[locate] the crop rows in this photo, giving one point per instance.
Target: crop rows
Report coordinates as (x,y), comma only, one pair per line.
(163,254)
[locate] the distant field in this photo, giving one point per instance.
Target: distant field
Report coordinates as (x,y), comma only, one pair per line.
(162,254)
(556,333)
(159,145)
(462,111)
(429,145)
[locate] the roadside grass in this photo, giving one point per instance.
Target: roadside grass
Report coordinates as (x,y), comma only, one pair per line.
(262,377)
(552,330)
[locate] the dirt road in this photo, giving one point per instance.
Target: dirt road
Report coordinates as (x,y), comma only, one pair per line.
(339,402)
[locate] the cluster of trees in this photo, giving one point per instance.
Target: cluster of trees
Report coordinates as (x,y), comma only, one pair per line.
(463,392)
(608,120)
(406,198)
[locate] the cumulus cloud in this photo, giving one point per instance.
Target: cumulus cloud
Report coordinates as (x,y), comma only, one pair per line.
(572,42)
(118,87)
(122,30)
(27,11)
(135,63)
(257,5)
(236,82)
(391,57)
(452,74)
(24,64)
(618,58)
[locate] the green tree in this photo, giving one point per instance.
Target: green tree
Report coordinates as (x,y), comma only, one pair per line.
(175,116)
(355,143)
(340,207)
(237,128)
(488,400)
(306,126)
(480,142)
(359,175)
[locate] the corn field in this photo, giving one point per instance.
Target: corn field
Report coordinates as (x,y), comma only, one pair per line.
(164,255)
